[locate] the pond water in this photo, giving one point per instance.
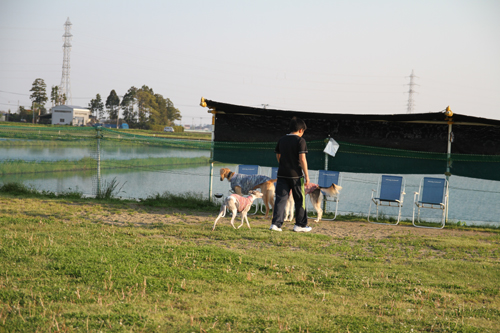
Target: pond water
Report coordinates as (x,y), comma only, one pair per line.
(472,201)
(38,153)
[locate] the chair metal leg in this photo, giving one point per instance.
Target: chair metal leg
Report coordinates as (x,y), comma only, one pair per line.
(386,223)
(422,226)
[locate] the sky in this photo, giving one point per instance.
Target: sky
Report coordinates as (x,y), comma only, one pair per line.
(352,56)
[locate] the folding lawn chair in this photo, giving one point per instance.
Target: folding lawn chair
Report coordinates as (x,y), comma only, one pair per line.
(325,179)
(391,191)
(431,194)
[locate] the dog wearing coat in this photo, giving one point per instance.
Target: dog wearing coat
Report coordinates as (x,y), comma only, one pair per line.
(316,195)
(237,204)
(242,184)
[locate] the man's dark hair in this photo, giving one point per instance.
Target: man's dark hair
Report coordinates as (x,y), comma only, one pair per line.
(297,124)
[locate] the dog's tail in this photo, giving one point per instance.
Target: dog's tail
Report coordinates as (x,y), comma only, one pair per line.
(223,210)
(331,191)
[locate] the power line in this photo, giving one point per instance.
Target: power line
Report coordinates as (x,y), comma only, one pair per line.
(10,92)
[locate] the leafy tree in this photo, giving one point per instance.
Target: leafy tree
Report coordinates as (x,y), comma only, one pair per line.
(127,105)
(25,114)
(112,104)
(167,113)
(97,106)
(161,118)
(143,108)
(56,98)
(173,113)
(39,95)
(147,107)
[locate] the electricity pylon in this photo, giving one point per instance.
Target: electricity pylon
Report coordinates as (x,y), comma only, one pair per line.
(65,87)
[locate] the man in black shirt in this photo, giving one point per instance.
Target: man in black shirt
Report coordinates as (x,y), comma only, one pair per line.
(293,175)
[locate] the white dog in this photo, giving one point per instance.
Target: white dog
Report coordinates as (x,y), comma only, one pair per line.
(237,203)
(316,194)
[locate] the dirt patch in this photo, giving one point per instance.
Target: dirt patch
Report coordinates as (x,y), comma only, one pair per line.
(138,216)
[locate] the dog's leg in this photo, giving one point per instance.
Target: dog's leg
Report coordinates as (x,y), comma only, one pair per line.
(221,213)
(237,190)
(266,199)
(244,217)
(317,200)
(270,200)
(234,212)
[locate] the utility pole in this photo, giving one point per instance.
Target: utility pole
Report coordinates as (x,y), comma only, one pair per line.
(65,86)
(410,108)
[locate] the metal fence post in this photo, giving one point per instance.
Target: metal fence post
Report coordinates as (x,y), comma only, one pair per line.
(99,135)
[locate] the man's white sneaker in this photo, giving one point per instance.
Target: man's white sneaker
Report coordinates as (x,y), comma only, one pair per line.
(301,229)
(274,228)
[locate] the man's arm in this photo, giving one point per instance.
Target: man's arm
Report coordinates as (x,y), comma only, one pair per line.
(278,156)
(303,165)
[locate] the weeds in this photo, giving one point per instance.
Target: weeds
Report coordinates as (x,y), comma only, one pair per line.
(109,190)
(19,189)
(185,200)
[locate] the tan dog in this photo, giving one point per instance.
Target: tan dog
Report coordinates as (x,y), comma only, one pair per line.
(236,203)
(315,193)
(243,184)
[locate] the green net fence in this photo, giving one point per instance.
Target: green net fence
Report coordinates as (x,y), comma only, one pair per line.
(365,159)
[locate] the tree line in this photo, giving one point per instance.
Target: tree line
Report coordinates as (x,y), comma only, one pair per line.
(140,107)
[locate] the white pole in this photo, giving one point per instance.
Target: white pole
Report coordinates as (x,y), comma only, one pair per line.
(448,166)
(98,160)
(326,168)
(210,186)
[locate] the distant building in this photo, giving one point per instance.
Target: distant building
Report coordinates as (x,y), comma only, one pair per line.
(70,114)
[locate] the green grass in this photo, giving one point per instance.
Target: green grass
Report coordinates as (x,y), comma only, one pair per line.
(87,163)
(19,189)
(63,269)
(187,200)
(29,135)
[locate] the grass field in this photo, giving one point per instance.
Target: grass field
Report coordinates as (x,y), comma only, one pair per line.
(87,163)
(120,266)
(67,136)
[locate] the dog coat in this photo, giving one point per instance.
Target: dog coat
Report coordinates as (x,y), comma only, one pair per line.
(247,182)
(309,188)
(243,202)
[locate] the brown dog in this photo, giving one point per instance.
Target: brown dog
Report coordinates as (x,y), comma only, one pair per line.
(316,194)
(243,184)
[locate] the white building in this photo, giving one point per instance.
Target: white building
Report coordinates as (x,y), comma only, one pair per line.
(69,114)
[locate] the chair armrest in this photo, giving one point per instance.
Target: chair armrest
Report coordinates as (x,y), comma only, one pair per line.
(415,194)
